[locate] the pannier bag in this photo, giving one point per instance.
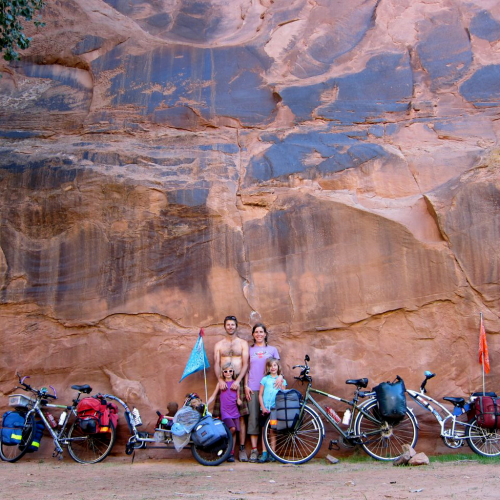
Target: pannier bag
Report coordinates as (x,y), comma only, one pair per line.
(94,415)
(37,436)
(208,431)
(488,412)
(287,409)
(391,399)
(12,426)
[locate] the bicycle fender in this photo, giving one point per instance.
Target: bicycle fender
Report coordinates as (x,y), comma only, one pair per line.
(312,410)
(410,409)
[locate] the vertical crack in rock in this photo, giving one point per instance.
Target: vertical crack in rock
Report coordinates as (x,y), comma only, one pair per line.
(440,226)
(246,281)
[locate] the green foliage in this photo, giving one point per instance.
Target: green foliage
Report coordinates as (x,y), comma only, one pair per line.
(13,14)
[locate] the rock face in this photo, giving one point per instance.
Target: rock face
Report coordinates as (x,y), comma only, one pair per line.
(330,168)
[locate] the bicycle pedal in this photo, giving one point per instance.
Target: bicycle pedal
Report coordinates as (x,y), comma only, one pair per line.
(334,445)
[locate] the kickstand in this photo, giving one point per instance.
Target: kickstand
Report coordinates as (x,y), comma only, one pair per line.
(334,445)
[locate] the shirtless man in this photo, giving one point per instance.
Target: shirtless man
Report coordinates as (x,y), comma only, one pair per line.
(233,350)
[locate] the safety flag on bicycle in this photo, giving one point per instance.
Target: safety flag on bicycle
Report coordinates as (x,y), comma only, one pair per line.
(484,357)
(198,359)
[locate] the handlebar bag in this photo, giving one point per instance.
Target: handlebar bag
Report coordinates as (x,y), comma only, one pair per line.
(488,412)
(287,406)
(37,436)
(391,399)
(208,431)
(12,426)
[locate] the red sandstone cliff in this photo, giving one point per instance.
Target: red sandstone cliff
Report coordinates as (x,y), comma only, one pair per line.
(330,168)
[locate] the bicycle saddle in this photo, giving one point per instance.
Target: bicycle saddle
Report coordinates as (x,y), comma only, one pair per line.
(359,382)
(86,389)
(456,401)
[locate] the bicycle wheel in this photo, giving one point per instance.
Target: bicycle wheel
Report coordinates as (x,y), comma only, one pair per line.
(13,452)
(383,440)
(90,448)
(214,455)
(485,442)
(298,445)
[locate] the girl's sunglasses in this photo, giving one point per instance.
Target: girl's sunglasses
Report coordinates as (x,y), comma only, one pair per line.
(228,371)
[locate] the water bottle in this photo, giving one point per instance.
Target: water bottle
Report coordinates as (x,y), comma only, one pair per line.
(51,419)
(332,414)
(137,417)
(62,418)
(347,417)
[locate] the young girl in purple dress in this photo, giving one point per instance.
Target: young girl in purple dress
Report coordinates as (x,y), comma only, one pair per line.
(229,401)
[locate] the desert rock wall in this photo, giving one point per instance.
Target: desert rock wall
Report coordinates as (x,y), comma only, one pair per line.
(329,168)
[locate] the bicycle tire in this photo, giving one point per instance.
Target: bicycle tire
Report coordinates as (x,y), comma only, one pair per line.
(484,442)
(12,453)
(295,446)
(214,455)
(90,448)
(383,440)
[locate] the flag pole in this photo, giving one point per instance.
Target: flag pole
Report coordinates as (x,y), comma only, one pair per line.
(202,333)
(205,375)
(482,364)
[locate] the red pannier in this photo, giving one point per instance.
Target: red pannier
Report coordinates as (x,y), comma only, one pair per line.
(488,411)
(94,415)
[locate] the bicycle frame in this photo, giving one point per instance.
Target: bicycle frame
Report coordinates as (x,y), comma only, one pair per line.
(447,420)
(59,438)
(349,434)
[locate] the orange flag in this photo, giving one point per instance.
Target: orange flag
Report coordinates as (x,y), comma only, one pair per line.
(484,358)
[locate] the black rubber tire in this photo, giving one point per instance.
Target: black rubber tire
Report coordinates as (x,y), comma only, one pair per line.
(383,440)
(214,455)
(90,448)
(296,446)
(12,453)
(484,442)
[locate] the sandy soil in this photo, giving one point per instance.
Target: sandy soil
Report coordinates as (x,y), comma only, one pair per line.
(151,479)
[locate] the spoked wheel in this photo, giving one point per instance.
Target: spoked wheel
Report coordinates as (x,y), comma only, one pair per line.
(90,448)
(485,442)
(298,445)
(216,454)
(384,440)
(13,452)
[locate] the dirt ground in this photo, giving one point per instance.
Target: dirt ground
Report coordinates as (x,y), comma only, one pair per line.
(119,478)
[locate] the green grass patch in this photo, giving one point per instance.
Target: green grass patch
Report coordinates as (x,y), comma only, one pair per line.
(462,457)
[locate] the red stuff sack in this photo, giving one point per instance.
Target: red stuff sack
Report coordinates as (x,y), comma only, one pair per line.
(113,414)
(93,415)
(488,412)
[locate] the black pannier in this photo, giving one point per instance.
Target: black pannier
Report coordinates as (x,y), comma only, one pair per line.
(391,399)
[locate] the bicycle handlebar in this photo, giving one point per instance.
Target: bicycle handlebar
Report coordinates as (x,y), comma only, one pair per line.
(428,376)
(41,393)
(304,374)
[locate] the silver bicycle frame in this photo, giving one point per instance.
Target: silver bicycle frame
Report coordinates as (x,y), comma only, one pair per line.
(449,418)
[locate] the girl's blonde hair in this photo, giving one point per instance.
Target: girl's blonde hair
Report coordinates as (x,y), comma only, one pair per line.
(225,366)
(269,362)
